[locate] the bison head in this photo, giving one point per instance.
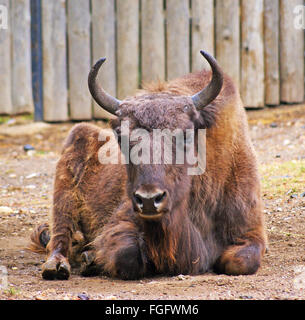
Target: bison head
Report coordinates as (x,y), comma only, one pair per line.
(158,182)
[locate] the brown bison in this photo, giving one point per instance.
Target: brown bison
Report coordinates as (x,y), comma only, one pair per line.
(131,220)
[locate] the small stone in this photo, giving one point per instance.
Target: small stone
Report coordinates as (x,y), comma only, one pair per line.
(83,296)
(279,209)
(32,175)
(245,297)
(5,210)
(273,125)
(303,195)
(28,147)
(11,122)
(181,277)
(31,186)
(278,156)
(31,153)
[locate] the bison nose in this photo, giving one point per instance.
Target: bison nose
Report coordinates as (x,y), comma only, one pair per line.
(150,203)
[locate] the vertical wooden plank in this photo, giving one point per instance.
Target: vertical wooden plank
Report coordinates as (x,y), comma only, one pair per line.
(292,54)
(152,40)
(271,38)
(5,60)
(252,54)
(178,39)
(22,96)
(36,39)
(55,95)
(228,37)
(103,45)
(202,32)
(127,47)
(79,59)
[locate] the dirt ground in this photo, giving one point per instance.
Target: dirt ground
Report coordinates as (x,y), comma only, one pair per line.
(26,196)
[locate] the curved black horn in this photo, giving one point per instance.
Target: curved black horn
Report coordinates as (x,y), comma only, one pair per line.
(209,93)
(101,97)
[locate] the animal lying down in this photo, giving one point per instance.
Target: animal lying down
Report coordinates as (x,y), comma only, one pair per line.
(139,217)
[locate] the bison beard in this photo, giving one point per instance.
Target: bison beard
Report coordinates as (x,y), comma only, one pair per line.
(212,221)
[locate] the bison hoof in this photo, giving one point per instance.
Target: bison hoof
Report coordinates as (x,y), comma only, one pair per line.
(88,267)
(56,267)
(129,264)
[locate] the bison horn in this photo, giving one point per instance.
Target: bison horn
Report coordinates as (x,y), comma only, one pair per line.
(209,93)
(102,98)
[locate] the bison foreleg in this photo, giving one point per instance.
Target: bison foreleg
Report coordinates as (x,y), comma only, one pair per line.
(244,257)
(64,206)
(120,251)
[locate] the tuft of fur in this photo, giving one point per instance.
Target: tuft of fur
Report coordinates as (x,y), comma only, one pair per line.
(39,239)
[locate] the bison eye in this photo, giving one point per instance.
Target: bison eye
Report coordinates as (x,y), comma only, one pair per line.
(186,108)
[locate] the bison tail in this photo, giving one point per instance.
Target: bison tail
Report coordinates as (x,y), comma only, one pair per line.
(39,239)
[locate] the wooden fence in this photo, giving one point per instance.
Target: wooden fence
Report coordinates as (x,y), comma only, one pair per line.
(45,60)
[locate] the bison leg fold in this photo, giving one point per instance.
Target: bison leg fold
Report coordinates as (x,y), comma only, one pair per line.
(244,258)
(120,251)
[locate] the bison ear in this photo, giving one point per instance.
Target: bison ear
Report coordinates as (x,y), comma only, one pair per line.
(208,117)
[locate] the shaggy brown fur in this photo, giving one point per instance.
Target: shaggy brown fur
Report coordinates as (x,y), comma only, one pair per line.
(212,221)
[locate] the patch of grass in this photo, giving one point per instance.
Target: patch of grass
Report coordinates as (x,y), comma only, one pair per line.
(20,119)
(4,119)
(27,117)
(11,291)
(280,179)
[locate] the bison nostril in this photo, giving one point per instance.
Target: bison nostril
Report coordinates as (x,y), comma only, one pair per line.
(159,199)
(138,201)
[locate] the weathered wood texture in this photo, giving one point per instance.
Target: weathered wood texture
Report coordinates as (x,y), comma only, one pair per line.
(272,67)
(103,45)
(178,38)
(152,41)
(5,61)
(227,17)
(127,47)
(79,59)
(291,54)
(22,96)
(252,53)
(202,32)
(55,93)
(259,43)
